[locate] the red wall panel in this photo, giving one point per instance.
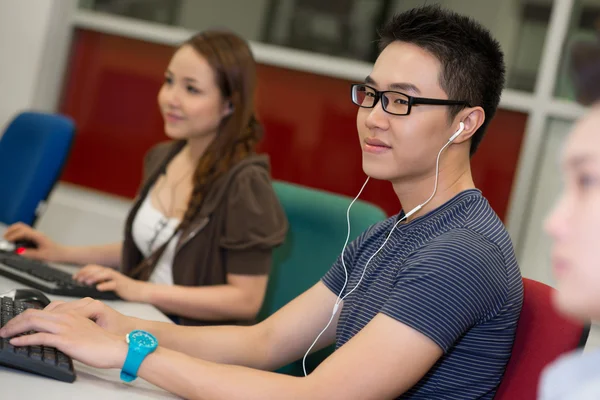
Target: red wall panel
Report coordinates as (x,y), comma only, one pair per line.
(309,120)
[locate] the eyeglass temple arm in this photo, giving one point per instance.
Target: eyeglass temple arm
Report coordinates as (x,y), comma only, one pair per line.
(421,100)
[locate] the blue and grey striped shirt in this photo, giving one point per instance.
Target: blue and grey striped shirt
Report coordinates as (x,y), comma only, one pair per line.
(451,275)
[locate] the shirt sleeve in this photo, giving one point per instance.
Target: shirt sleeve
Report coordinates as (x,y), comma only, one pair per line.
(254,225)
(454,282)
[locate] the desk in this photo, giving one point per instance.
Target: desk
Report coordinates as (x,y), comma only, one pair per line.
(91,383)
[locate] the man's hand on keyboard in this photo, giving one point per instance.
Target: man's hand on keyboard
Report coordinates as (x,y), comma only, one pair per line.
(107,279)
(70,332)
(95,310)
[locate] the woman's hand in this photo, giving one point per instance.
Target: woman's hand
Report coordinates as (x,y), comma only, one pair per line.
(107,279)
(47,249)
(71,333)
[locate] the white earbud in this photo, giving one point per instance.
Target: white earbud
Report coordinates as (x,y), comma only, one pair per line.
(458,132)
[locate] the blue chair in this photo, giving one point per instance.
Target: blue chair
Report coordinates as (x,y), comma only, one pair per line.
(33,151)
(317,232)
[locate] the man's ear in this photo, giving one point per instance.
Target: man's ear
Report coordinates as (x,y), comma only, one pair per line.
(473,118)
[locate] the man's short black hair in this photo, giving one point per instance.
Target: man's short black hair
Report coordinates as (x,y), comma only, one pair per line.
(472,62)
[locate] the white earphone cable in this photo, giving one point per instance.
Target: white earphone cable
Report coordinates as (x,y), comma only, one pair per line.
(335,307)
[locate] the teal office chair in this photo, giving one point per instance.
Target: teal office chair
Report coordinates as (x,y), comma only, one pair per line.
(318,229)
(33,150)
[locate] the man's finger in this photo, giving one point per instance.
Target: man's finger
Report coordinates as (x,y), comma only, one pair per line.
(37,339)
(32,320)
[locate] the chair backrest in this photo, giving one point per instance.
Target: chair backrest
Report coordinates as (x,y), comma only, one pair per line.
(543,334)
(316,235)
(33,150)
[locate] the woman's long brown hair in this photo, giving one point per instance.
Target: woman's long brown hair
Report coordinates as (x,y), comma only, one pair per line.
(235,71)
(238,134)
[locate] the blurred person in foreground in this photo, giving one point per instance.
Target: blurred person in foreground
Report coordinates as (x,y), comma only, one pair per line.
(574,226)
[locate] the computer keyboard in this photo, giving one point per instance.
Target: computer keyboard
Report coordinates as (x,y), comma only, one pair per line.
(41,276)
(41,360)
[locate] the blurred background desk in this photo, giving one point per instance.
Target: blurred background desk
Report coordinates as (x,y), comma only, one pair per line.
(91,383)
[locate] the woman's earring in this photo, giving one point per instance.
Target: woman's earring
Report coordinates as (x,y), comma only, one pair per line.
(230,109)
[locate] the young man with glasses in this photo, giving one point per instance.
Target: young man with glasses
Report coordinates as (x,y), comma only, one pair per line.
(423,305)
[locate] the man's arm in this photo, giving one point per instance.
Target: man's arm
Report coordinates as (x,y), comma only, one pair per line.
(282,338)
(382,361)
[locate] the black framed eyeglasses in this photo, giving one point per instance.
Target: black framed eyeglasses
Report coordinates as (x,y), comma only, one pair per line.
(393,102)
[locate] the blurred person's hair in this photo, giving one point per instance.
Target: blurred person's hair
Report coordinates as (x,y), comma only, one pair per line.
(471,59)
(585,71)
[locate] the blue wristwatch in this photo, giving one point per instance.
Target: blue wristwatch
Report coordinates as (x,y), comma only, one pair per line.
(141,343)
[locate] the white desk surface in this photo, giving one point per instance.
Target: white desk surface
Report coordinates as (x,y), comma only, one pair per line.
(91,383)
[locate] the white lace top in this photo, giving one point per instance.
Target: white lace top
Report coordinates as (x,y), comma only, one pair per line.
(151,229)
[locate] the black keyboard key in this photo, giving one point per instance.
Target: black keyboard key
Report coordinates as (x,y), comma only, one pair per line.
(36,352)
(41,360)
(49,355)
(19,307)
(22,351)
(4,318)
(64,361)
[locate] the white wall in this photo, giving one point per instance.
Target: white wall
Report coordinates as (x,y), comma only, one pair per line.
(34,38)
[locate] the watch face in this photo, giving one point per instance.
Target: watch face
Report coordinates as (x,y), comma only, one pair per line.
(142,339)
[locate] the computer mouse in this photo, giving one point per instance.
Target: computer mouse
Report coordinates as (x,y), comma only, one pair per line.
(26,243)
(31,296)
